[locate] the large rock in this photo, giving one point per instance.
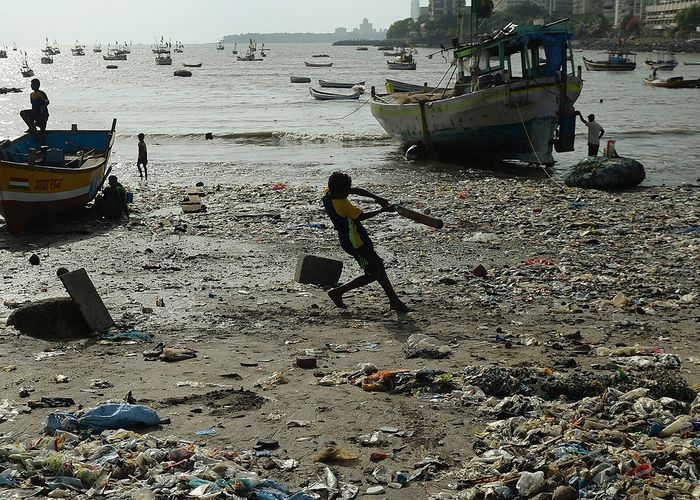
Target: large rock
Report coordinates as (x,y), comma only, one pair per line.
(606,173)
(56,319)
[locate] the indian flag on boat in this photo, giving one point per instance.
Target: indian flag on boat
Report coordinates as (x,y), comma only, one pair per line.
(18,183)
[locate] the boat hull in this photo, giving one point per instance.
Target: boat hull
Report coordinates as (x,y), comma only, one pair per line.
(673,83)
(513,121)
(30,193)
(607,66)
(400,65)
(327,96)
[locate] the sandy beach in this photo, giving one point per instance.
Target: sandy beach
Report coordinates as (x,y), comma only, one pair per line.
(568,272)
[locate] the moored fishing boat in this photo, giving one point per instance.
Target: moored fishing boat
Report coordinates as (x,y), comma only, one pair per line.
(46,59)
(318,65)
(3,53)
(113,55)
(179,47)
(97,48)
(78,49)
(220,44)
(398,86)
(61,174)
(338,85)
(164,59)
(404,61)
(495,110)
(618,60)
(27,72)
(664,61)
(195,65)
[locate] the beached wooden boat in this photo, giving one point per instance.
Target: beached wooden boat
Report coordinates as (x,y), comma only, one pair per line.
(318,65)
(63,173)
(338,85)
(299,79)
(327,96)
(618,60)
(676,82)
(496,110)
(198,65)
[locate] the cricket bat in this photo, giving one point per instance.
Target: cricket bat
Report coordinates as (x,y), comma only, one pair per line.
(419,217)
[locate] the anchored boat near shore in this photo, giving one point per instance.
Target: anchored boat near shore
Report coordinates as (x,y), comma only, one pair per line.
(62,173)
(498,111)
(618,60)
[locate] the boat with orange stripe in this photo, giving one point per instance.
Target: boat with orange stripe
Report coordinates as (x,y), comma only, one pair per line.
(61,173)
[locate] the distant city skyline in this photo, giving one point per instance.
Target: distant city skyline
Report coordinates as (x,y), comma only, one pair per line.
(199,22)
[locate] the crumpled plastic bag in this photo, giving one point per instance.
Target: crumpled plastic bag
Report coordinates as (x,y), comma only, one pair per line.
(419,345)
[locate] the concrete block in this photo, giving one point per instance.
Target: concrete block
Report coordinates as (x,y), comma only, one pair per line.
(84,294)
(318,270)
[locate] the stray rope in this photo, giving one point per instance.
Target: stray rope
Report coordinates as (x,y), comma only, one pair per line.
(532,147)
(351,112)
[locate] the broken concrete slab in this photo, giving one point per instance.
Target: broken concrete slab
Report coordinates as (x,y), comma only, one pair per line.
(84,294)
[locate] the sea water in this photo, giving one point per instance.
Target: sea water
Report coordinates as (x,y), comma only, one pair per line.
(261,121)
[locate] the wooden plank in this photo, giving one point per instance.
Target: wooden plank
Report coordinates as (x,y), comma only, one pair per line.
(84,294)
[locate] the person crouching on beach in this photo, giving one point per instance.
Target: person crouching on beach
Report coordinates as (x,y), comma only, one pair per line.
(354,240)
(142,158)
(38,116)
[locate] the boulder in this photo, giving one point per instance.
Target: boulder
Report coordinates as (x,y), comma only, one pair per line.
(606,173)
(57,319)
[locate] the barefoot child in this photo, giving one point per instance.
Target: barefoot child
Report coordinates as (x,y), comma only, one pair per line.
(354,239)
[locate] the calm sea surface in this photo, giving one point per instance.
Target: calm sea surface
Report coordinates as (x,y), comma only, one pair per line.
(260,119)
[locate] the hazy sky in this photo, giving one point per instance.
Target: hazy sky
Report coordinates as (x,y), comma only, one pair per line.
(191,21)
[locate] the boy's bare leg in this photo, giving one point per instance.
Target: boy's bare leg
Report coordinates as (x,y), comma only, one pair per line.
(395,302)
(336,294)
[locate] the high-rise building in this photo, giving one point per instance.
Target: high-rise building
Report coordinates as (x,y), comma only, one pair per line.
(507,4)
(625,8)
(661,14)
(415,9)
(441,8)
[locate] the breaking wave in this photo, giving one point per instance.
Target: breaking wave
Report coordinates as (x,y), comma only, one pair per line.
(271,137)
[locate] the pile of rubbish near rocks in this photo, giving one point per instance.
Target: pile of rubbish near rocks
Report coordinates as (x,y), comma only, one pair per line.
(631,431)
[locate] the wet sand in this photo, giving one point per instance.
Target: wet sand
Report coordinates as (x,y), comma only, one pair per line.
(555,259)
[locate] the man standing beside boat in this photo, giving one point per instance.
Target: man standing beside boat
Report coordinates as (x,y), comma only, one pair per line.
(38,116)
(143,157)
(595,132)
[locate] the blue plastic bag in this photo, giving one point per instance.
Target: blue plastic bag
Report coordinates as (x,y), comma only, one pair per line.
(118,416)
(61,421)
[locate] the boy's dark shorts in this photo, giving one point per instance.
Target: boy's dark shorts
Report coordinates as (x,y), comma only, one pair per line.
(368,259)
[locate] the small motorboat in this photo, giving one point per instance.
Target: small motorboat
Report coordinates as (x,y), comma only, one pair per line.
(179,47)
(320,55)
(318,65)
(385,47)
(97,48)
(685,63)
(235,49)
(78,50)
(361,48)
(39,180)
(299,79)
(198,65)
(327,96)
(220,45)
(338,85)
(675,82)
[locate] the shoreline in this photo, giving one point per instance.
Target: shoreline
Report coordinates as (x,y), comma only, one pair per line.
(556,262)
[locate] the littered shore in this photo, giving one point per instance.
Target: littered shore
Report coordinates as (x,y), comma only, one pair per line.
(568,272)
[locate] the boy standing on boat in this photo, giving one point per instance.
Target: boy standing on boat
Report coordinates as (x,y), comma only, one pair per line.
(142,158)
(354,239)
(38,116)
(595,132)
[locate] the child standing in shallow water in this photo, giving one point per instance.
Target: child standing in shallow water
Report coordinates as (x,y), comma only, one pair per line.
(354,239)
(143,158)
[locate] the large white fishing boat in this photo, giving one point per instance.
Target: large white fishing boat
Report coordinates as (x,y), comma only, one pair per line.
(513,99)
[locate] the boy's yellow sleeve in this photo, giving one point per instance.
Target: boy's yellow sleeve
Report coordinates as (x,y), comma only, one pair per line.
(346,209)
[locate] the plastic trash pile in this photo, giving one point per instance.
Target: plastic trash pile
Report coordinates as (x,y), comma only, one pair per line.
(125,464)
